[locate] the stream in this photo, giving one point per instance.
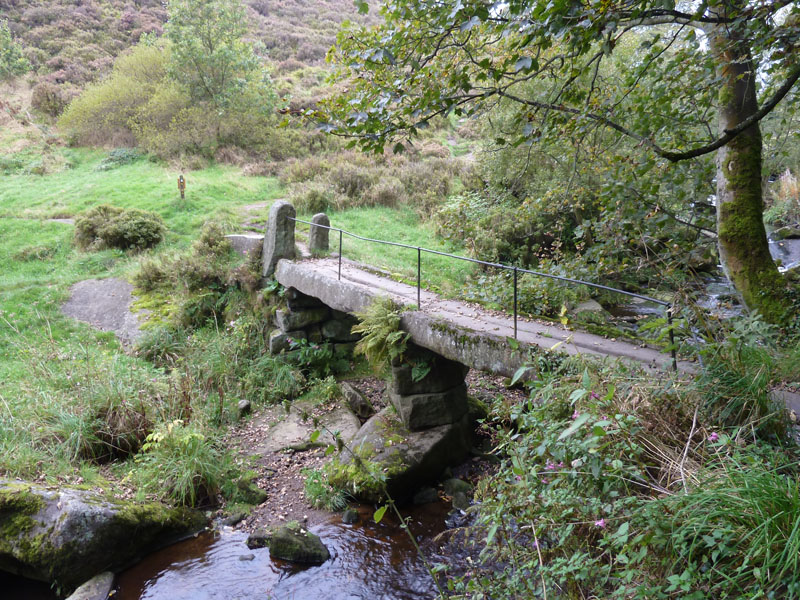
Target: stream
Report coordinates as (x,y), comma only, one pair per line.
(368,561)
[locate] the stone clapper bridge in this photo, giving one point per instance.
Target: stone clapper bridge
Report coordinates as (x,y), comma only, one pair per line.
(428,425)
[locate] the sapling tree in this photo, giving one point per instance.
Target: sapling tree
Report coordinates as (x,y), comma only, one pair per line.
(12,60)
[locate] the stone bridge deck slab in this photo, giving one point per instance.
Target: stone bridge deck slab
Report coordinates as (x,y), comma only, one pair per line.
(469,334)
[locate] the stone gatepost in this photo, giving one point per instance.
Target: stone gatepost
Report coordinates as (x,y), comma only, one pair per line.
(318,237)
(279,237)
(438,398)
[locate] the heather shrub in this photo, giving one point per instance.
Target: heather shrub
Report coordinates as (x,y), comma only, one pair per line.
(352,180)
(388,191)
(313,197)
(48,98)
(108,226)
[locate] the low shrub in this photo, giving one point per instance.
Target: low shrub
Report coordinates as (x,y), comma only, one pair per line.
(313,197)
(49,98)
(108,226)
(30,253)
(118,157)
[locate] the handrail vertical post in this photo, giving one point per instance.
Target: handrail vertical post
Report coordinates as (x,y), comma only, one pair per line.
(340,254)
(673,350)
(515,302)
(419,276)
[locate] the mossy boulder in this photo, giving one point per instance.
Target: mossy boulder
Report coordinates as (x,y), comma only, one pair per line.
(68,535)
(386,456)
(296,544)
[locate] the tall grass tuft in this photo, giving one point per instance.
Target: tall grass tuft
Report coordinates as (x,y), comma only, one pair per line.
(738,532)
(736,380)
(183,463)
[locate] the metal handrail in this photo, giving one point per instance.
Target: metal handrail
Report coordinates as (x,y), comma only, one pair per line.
(667,305)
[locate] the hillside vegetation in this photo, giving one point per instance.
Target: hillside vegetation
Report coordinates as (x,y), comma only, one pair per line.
(604,482)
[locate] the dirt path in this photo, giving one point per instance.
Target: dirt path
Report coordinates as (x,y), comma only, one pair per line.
(106,305)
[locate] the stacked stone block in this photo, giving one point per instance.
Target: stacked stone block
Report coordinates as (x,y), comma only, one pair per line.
(439,398)
(306,318)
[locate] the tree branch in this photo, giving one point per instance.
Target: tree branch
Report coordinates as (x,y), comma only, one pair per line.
(672,156)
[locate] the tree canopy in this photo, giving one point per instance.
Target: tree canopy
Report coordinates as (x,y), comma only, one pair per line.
(688,79)
(208,55)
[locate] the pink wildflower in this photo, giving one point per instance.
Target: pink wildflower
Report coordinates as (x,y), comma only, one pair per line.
(594,395)
(575,415)
(713,437)
(600,523)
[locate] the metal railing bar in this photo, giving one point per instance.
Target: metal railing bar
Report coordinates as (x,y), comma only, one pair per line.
(492,264)
(516,270)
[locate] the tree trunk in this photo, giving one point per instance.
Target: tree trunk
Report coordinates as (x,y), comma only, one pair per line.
(743,245)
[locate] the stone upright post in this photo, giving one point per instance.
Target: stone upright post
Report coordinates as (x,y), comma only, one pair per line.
(318,237)
(279,237)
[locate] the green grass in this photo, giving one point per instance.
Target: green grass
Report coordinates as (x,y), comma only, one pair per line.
(50,365)
(142,184)
(404,226)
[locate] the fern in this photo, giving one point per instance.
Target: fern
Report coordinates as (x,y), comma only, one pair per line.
(382,339)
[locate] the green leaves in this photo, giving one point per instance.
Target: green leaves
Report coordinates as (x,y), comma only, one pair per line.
(12,59)
(378,515)
(576,425)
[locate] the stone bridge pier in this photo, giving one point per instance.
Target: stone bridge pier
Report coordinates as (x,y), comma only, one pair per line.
(437,398)
(426,426)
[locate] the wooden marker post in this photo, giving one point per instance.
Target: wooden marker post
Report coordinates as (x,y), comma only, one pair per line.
(181,186)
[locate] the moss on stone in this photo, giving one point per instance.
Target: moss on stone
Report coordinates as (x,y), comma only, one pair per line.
(18,505)
(294,543)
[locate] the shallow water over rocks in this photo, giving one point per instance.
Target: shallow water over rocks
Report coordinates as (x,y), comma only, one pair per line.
(369,561)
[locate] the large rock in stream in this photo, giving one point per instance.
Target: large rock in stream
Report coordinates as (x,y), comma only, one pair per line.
(68,535)
(387,456)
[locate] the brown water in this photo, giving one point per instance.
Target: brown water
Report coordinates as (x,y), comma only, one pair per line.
(368,561)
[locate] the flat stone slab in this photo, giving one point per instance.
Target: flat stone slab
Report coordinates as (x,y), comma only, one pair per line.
(106,305)
(246,243)
(468,334)
(290,431)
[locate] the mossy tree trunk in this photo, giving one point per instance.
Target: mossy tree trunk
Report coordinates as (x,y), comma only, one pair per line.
(743,245)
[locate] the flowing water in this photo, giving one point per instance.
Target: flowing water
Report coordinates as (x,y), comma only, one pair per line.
(787,251)
(368,561)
